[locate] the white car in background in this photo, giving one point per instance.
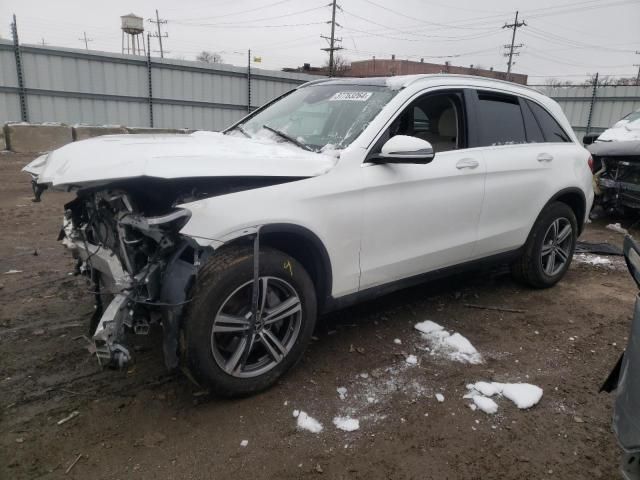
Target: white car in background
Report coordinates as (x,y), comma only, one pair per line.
(625,130)
(338,191)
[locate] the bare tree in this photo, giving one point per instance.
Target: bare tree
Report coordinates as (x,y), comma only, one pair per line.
(209,57)
(340,65)
(554,82)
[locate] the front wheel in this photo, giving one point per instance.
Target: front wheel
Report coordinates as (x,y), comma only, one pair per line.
(229,347)
(549,248)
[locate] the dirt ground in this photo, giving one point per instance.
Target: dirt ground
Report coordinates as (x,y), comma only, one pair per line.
(142,423)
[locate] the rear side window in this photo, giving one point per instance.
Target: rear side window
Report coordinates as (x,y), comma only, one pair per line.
(534,132)
(551,129)
(500,119)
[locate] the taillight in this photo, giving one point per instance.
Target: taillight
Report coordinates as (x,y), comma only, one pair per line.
(590,162)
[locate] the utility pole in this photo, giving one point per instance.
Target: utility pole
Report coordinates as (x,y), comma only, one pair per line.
(86,40)
(159,34)
(249,80)
(22,91)
(594,93)
(514,26)
(637,65)
(149,81)
(332,40)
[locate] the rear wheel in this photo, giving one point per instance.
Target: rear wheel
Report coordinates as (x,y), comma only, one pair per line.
(234,350)
(549,248)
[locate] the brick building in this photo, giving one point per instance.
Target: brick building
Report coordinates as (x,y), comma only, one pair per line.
(376,67)
(381,68)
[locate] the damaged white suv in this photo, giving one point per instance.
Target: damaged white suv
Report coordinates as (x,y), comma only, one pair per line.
(338,191)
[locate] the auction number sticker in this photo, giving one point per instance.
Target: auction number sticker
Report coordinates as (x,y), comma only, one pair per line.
(351,96)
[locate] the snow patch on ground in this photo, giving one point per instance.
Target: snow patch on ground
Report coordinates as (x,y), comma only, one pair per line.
(342,392)
(11,272)
(305,422)
(485,404)
(591,259)
(454,346)
(346,423)
(616,227)
(369,395)
(412,360)
(440,397)
(244,443)
(523,395)
(428,327)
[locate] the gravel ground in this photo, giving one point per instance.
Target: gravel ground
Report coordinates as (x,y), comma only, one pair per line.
(142,423)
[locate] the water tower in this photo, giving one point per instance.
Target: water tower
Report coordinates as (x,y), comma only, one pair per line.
(132,30)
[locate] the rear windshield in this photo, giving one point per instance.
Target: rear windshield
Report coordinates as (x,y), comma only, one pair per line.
(321,116)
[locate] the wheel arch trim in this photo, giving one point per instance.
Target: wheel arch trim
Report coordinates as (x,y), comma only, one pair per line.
(324,275)
(582,207)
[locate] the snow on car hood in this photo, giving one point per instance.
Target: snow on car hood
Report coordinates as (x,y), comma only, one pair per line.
(200,154)
(621,131)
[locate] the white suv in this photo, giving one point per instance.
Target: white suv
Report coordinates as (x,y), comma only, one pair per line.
(338,191)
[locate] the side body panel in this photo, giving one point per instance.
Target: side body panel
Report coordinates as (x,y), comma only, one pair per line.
(419,218)
(329,205)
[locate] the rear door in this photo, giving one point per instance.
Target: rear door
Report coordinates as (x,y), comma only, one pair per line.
(519,164)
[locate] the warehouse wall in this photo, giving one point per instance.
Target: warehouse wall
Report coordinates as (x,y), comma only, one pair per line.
(611,103)
(98,88)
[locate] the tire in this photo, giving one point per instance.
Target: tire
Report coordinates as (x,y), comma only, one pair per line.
(533,267)
(219,320)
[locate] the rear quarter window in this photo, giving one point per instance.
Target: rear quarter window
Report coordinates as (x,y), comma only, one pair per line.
(551,129)
(500,118)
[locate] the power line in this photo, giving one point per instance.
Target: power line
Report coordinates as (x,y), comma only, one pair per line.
(514,26)
(159,35)
(559,40)
(240,22)
(250,10)
(332,40)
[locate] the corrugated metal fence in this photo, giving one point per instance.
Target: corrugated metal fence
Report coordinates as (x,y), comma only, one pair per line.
(594,110)
(97,88)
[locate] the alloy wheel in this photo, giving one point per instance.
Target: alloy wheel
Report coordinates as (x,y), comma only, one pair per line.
(247,345)
(556,246)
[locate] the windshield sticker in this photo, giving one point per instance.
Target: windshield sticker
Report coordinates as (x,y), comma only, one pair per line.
(351,96)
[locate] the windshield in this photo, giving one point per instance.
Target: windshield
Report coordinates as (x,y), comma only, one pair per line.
(320,116)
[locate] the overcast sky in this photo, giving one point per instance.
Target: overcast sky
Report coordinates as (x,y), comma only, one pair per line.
(563,38)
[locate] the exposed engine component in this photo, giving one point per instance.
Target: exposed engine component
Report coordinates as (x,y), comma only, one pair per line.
(125,237)
(617,175)
(126,255)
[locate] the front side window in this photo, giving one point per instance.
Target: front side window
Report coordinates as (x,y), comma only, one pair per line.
(500,120)
(319,116)
(551,129)
(436,117)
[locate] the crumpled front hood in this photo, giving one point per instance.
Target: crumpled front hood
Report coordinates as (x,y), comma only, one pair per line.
(621,132)
(200,154)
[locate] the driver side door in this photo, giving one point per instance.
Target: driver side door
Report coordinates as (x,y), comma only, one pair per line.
(422,217)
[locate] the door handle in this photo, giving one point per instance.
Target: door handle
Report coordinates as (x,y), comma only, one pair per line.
(469,163)
(545,157)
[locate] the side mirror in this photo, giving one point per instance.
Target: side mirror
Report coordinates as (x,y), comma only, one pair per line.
(404,149)
(590,138)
